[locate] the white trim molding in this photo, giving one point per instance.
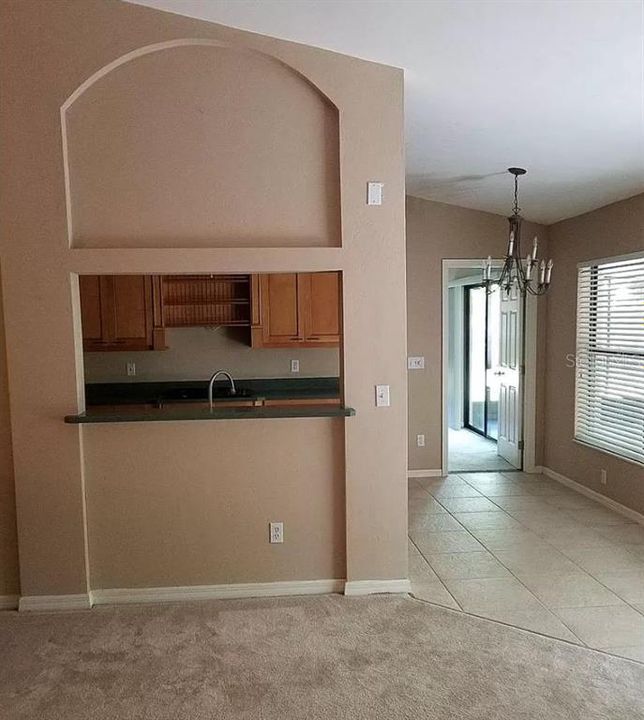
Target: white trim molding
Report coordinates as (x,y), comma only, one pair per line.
(424,473)
(598,497)
(118,596)
(372,587)
(46,603)
(9,602)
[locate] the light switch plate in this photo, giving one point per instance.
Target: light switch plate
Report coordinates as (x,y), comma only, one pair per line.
(382,396)
(416,363)
(374,193)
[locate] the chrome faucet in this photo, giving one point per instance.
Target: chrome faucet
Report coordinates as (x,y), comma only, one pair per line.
(233,391)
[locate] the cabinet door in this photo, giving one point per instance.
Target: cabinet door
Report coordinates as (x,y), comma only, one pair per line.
(321,307)
(90,302)
(130,322)
(282,324)
(117,312)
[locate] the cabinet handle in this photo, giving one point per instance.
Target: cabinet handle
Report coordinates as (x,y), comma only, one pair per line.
(311,337)
(295,338)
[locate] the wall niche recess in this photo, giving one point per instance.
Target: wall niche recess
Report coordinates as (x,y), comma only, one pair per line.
(201,145)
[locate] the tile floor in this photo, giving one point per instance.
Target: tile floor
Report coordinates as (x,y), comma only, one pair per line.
(525,550)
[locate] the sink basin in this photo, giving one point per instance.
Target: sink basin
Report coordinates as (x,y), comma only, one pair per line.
(197,394)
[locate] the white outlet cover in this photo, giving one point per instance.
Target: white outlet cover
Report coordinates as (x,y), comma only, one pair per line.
(295,366)
(420,440)
(374,193)
(416,363)
(276,532)
(382,396)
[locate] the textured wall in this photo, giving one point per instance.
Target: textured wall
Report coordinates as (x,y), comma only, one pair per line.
(49,50)
(612,230)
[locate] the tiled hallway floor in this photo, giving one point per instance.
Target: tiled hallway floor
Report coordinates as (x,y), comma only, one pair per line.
(525,550)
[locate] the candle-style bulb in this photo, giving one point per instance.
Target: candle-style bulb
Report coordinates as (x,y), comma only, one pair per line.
(535,247)
(511,243)
(542,272)
(528,267)
(549,267)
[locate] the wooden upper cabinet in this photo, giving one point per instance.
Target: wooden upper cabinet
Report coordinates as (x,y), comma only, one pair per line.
(300,309)
(322,307)
(120,312)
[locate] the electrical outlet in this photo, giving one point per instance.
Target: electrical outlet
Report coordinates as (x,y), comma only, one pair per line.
(131,369)
(603,479)
(295,366)
(420,440)
(276,532)
(416,363)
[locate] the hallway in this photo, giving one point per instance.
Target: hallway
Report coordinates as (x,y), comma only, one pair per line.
(469,451)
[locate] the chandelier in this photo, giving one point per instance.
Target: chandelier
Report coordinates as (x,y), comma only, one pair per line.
(529,274)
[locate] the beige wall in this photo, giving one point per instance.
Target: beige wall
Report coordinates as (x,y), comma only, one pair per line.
(195,353)
(159,518)
(9,583)
(49,50)
(151,175)
(612,230)
(436,231)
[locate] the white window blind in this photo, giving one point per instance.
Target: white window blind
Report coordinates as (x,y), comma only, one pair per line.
(609,397)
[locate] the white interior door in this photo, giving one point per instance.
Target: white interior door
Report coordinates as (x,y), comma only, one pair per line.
(510,443)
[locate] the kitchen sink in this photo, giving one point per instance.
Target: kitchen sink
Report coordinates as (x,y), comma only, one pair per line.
(197,394)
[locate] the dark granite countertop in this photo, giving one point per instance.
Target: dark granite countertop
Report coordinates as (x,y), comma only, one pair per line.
(198,411)
(186,400)
(145,393)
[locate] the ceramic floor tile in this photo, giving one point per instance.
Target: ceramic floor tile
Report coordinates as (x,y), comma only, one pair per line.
(542,519)
(434,522)
(445,542)
(523,502)
(503,489)
(486,520)
(637,551)
(431,483)
(478,504)
(425,505)
(570,502)
(509,538)
(433,592)
(537,620)
(467,565)
(521,476)
(566,591)
(627,584)
(574,537)
(604,627)
(603,560)
(630,652)
(623,534)
(598,516)
(419,570)
(455,491)
(535,561)
(486,595)
(548,489)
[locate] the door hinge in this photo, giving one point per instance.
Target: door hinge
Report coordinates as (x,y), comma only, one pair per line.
(522,369)
(520,444)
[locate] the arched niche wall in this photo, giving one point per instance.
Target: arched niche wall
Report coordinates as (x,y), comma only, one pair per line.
(193,143)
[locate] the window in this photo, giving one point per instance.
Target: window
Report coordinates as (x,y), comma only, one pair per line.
(609,393)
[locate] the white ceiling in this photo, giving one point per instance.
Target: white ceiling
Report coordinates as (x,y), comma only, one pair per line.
(556,86)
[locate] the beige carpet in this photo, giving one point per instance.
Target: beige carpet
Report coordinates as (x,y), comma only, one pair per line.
(388,657)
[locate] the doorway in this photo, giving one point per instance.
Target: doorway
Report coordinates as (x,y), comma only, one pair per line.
(488,389)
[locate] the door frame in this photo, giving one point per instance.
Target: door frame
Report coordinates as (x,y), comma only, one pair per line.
(529,361)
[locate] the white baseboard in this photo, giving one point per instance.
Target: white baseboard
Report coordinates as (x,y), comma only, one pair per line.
(372,587)
(116,596)
(424,473)
(598,497)
(9,602)
(44,603)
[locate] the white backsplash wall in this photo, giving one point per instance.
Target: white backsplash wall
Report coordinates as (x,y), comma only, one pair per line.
(195,353)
